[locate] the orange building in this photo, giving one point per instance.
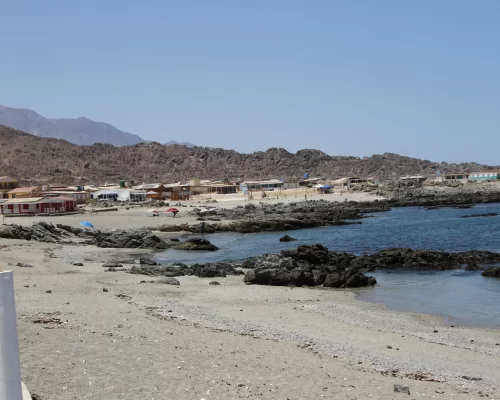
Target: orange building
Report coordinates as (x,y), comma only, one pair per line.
(24,192)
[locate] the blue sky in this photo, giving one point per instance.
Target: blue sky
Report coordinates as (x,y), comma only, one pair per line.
(352,77)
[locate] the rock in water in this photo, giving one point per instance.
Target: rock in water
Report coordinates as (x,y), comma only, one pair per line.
(287,238)
(147,261)
(402,389)
(196,244)
(493,272)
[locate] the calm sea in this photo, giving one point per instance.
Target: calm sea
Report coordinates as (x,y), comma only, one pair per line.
(463,297)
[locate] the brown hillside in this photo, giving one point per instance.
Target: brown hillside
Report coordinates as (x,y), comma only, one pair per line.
(33,158)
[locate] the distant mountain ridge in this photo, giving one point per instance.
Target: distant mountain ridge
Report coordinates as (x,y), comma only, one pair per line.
(57,161)
(80,131)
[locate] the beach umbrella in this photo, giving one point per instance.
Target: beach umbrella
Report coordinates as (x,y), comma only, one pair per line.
(172,210)
(327,187)
(86,224)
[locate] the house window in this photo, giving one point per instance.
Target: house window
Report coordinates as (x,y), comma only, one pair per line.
(13,196)
(10,206)
(26,206)
(38,206)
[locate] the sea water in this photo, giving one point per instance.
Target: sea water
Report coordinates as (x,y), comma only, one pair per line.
(464,297)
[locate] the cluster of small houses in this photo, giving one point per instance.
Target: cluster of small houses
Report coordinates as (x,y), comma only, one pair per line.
(35,200)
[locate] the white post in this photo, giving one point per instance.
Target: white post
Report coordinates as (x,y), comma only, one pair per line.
(10,367)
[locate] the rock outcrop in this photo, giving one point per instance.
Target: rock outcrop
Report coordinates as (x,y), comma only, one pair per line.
(48,233)
(493,272)
(305,266)
(129,239)
(315,265)
(287,238)
(210,270)
(196,244)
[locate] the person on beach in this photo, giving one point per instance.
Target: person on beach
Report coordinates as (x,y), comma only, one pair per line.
(186,227)
(305,197)
(175,213)
(202,227)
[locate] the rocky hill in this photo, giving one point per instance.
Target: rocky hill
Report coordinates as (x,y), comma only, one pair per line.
(33,158)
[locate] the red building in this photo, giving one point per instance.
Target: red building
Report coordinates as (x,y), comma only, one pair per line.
(38,205)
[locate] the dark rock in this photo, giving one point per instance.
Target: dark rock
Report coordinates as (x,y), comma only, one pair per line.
(112,264)
(402,389)
(357,280)
(281,278)
(209,270)
(105,290)
(196,244)
(493,272)
(212,270)
(23,265)
(481,215)
(115,269)
(288,264)
(78,264)
(214,283)
(471,378)
(49,291)
(287,238)
(259,276)
(429,259)
(319,277)
(314,254)
(168,281)
(250,277)
(335,280)
(147,261)
(473,266)
(132,239)
(35,396)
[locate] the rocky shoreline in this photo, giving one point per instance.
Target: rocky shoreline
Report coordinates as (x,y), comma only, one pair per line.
(48,233)
(253,218)
(315,265)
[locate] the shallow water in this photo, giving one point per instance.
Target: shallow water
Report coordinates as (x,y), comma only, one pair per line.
(461,296)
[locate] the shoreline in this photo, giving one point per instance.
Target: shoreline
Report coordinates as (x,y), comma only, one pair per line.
(322,328)
(192,341)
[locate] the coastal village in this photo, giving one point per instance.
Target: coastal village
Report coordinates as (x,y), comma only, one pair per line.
(16,199)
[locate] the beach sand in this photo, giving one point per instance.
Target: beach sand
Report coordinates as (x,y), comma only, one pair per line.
(230,341)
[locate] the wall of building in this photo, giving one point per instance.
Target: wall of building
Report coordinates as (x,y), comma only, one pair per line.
(484,176)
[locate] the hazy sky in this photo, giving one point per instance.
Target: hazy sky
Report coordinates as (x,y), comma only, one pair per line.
(352,77)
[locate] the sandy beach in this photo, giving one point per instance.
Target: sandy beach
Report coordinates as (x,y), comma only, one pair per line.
(105,335)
